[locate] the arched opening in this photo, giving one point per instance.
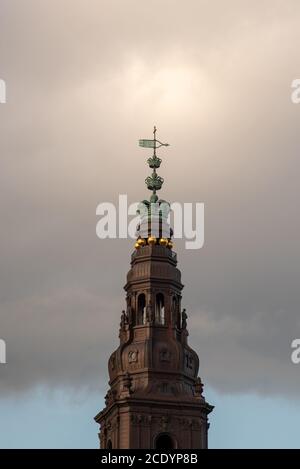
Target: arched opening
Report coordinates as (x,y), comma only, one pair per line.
(174,311)
(160,309)
(164,441)
(141,319)
(109,445)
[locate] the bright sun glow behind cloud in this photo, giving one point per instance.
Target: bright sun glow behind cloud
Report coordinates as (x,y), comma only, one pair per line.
(167,92)
(171,88)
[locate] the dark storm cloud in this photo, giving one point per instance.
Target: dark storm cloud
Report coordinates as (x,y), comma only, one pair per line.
(85,80)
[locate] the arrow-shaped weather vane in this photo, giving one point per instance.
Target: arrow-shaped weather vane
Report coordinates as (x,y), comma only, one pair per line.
(152,143)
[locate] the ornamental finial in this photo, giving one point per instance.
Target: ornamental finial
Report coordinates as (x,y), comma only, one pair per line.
(153,182)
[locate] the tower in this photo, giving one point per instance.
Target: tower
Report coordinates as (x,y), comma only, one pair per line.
(155,397)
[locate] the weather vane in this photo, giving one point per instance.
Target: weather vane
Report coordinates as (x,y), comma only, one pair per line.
(153,182)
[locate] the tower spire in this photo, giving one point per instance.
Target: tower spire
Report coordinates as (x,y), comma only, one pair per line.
(155,397)
(154,227)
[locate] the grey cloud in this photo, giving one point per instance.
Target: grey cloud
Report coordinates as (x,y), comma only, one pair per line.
(84,82)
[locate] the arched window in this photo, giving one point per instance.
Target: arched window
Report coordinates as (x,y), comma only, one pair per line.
(160,309)
(109,445)
(141,319)
(164,441)
(174,310)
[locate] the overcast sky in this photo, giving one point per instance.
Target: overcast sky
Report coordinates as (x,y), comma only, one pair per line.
(85,80)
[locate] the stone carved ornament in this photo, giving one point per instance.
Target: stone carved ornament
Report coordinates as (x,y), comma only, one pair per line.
(133,356)
(141,419)
(165,355)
